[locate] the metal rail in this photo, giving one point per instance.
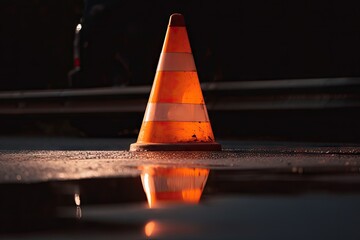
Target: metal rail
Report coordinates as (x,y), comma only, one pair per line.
(314,93)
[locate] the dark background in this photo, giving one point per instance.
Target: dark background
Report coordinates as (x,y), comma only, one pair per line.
(231,40)
(247,40)
(36,42)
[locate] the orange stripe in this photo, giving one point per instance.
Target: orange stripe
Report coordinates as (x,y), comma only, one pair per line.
(175,172)
(176,87)
(175,132)
(169,196)
(187,195)
(191,195)
(176,40)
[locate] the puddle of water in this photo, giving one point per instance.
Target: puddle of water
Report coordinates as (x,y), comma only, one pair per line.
(172,202)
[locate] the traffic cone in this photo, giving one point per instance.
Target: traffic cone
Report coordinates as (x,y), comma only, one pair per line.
(176,117)
(173,185)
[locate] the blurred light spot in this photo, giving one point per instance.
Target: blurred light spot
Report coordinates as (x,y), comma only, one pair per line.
(77,199)
(78,27)
(149,228)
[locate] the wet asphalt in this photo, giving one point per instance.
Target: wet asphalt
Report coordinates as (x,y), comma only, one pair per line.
(43,159)
(88,188)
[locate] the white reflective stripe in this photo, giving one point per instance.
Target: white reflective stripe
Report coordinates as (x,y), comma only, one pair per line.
(181,112)
(176,62)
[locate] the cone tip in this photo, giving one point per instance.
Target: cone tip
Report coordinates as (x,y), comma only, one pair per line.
(176,20)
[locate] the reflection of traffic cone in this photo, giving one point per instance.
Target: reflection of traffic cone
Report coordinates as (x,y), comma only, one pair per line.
(176,117)
(173,185)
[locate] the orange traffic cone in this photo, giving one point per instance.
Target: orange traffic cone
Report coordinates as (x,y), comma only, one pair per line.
(176,117)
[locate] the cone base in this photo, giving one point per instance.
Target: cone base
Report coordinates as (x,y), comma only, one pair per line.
(175,147)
